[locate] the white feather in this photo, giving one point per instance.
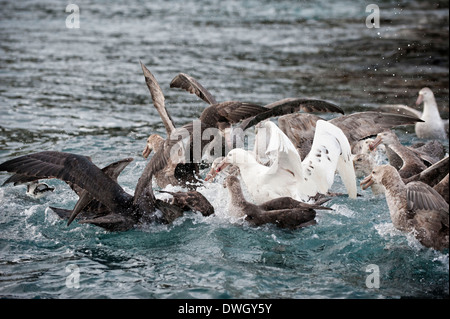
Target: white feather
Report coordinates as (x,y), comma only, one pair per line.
(288,175)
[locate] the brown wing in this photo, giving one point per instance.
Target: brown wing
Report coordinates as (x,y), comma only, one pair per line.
(360,125)
(442,188)
(235,111)
(289,203)
(284,218)
(400,109)
(192,200)
(71,168)
(433,174)
(158,99)
(170,148)
(292,105)
(113,170)
(188,83)
(421,196)
(20,179)
(430,152)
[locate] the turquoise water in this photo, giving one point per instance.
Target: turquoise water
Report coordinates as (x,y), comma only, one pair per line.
(82,91)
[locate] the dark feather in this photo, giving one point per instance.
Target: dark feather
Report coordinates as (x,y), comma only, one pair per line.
(112,170)
(360,125)
(191,85)
(191,200)
(158,99)
(291,105)
(71,168)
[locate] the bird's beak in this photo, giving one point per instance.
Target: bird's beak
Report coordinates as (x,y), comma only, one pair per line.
(419,99)
(366,182)
(146,151)
(375,143)
(213,172)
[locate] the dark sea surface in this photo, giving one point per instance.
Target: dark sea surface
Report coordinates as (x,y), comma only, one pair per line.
(82,91)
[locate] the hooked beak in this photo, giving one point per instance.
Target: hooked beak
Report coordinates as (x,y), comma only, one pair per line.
(213,172)
(366,182)
(146,151)
(375,143)
(419,99)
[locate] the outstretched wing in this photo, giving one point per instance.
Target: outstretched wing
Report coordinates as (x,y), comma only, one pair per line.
(113,170)
(400,109)
(71,168)
(158,99)
(330,151)
(421,196)
(291,105)
(235,111)
(357,126)
(433,174)
(280,150)
(187,138)
(188,83)
(300,128)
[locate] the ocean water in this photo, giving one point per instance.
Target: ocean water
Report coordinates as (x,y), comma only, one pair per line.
(81,90)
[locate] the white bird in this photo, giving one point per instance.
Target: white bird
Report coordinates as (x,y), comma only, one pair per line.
(287,174)
(433,127)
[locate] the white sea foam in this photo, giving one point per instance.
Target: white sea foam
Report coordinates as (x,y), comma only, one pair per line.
(51,217)
(386,230)
(343,210)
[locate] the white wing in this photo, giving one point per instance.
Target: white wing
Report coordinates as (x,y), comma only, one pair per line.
(260,145)
(280,150)
(330,151)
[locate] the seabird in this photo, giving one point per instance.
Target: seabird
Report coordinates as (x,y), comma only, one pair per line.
(35,188)
(188,83)
(433,126)
(405,160)
(86,205)
(177,171)
(215,168)
(413,207)
(191,201)
(435,176)
(122,211)
(284,212)
(364,164)
(38,190)
(224,115)
(300,127)
(288,175)
(430,152)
